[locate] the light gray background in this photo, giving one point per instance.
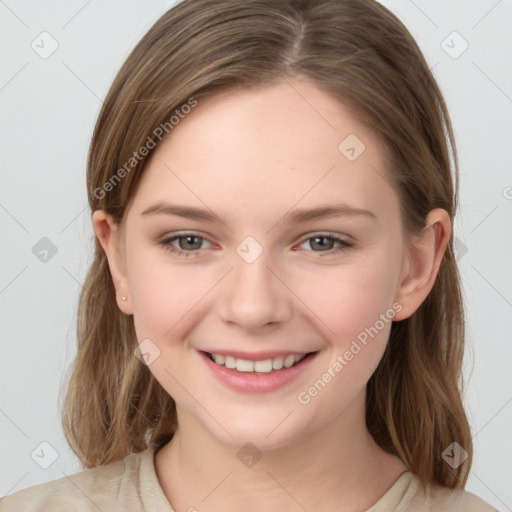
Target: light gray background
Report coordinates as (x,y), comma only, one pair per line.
(49,107)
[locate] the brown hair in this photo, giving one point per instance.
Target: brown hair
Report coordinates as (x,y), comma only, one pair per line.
(358,52)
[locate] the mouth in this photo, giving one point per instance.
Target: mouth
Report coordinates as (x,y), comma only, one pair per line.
(260,367)
(243,374)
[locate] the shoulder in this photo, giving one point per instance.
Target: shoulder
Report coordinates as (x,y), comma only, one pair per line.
(91,489)
(408,495)
(442,498)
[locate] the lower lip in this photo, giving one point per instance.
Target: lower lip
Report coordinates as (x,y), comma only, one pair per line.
(249,382)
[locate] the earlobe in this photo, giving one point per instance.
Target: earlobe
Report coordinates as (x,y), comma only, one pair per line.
(107,233)
(422,262)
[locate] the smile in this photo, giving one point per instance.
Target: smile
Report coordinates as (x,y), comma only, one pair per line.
(265,366)
(257,376)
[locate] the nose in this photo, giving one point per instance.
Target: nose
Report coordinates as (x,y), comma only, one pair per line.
(252,297)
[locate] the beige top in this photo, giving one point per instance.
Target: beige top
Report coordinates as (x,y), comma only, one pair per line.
(131,485)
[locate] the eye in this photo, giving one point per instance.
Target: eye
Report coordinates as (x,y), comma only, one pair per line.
(188,244)
(326,243)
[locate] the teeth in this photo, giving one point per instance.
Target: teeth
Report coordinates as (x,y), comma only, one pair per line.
(277,363)
(243,365)
(289,361)
(219,359)
(266,366)
(263,366)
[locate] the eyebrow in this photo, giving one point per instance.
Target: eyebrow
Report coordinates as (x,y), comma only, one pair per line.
(300,215)
(327,211)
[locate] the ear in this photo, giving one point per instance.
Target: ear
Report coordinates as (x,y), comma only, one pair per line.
(109,237)
(422,261)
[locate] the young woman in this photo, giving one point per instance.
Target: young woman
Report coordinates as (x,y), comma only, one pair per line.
(273,319)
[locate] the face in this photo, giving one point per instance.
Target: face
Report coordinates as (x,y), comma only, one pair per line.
(249,279)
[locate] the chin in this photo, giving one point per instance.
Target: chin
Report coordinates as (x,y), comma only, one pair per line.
(270,433)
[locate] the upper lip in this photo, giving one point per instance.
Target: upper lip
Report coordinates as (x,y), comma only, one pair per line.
(256,356)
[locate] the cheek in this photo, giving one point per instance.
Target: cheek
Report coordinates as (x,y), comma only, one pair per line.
(350,297)
(354,306)
(166,301)
(164,294)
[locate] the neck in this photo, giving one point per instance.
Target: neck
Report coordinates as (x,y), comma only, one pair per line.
(339,467)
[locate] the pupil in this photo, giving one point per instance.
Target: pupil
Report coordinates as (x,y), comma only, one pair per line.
(321,244)
(189,241)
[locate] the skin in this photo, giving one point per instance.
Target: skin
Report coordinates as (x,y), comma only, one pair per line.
(252,156)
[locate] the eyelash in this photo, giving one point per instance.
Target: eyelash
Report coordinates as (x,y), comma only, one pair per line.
(167,244)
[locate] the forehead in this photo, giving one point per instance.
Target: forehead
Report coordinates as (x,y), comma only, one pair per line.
(269,119)
(266,148)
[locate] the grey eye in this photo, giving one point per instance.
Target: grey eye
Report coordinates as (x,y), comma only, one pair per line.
(189,242)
